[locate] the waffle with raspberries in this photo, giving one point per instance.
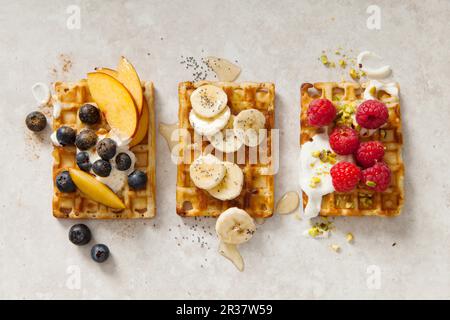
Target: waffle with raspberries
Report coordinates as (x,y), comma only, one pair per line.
(361,201)
(257,195)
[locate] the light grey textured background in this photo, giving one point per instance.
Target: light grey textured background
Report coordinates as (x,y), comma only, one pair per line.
(275,41)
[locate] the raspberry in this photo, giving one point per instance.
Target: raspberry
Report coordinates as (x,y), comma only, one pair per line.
(372,114)
(321,112)
(377,178)
(369,153)
(345,176)
(344,140)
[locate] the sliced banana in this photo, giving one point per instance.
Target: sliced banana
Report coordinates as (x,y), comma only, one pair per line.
(208,101)
(231,185)
(209,126)
(207,171)
(247,126)
(235,226)
(226,140)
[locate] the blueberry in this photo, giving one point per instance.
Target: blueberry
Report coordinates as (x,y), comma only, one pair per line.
(89,114)
(101,168)
(106,148)
(86,139)
(83,161)
(79,234)
(36,121)
(99,253)
(137,179)
(123,161)
(66,136)
(64,182)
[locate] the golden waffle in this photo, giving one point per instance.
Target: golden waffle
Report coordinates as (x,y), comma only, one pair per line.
(360,202)
(257,196)
(139,203)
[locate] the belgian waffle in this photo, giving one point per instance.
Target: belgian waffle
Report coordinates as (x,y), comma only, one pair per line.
(360,202)
(140,203)
(257,196)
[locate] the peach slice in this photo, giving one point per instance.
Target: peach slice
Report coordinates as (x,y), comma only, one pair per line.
(95,190)
(115,102)
(130,79)
(111,72)
(142,127)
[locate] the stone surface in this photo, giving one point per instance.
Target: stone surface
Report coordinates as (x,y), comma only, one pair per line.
(170,257)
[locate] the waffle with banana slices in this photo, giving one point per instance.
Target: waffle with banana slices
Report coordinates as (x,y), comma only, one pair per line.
(360,201)
(76,205)
(257,195)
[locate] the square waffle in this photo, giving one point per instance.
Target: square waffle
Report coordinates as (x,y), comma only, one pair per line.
(257,196)
(139,203)
(360,202)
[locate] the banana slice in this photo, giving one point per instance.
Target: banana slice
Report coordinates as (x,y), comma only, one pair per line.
(207,171)
(235,226)
(209,126)
(247,126)
(208,101)
(231,185)
(226,140)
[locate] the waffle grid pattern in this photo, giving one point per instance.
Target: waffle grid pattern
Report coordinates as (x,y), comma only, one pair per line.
(360,202)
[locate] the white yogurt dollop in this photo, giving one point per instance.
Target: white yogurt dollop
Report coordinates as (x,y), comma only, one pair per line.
(41,92)
(313,167)
(55,140)
(381,72)
(373,86)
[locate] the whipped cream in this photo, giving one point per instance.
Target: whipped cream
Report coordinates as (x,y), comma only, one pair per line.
(312,167)
(381,72)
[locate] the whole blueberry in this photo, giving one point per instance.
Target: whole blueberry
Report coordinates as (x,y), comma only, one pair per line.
(123,161)
(36,121)
(83,161)
(79,234)
(106,148)
(137,179)
(89,114)
(99,253)
(66,135)
(101,168)
(86,139)
(64,182)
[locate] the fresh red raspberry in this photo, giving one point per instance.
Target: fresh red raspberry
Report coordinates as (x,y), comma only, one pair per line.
(344,140)
(377,178)
(368,153)
(321,112)
(372,114)
(345,176)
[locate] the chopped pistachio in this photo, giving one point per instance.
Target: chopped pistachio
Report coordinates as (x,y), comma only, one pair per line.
(315,154)
(315,180)
(349,237)
(354,74)
(373,91)
(342,63)
(332,64)
(314,232)
(337,52)
(371,184)
(324,59)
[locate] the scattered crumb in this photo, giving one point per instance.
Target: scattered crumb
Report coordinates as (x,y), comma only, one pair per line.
(349,237)
(63,66)
(335,248)
(394,244)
